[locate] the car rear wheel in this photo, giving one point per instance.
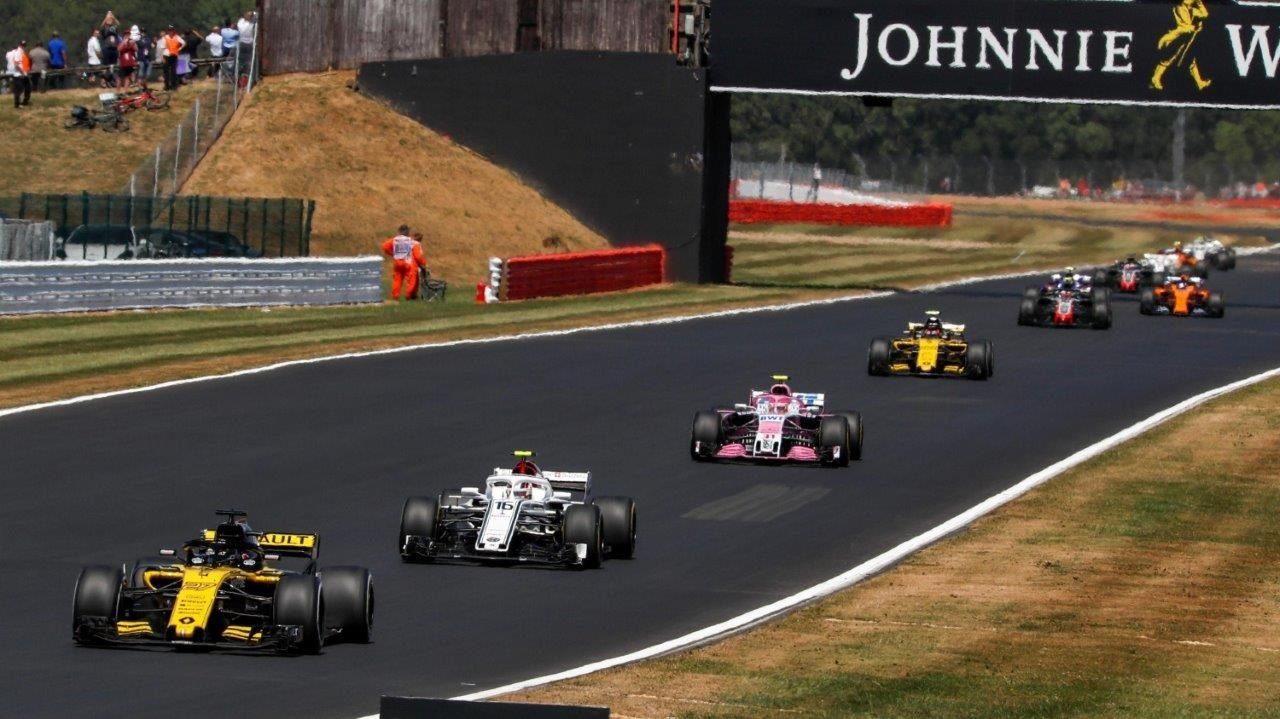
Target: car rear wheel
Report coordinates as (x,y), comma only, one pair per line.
(1216,305)
(97,599)
(1147,301)
(854,420)
(1101,315)
(347,596)
(1102,278)
(1027,311)
(583,525)
(619,517)
(833,438)
(419,518)
(707,435)
(878,357)
(1031,293)
(299,603)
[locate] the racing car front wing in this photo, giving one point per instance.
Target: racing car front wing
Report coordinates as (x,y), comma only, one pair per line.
(462,549)
(279,638)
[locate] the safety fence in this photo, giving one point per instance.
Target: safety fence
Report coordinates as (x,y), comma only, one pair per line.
(26,241)
(575,273)
(45,287)
(167,168)
(764,211)
(274,227)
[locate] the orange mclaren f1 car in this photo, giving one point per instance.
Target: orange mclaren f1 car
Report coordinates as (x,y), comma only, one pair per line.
(1182,296)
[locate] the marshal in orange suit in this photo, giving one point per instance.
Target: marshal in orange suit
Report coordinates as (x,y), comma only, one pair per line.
(406,252)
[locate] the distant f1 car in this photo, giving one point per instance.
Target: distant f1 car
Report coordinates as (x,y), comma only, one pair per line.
(932,348)
(1182,296)
(1213,252)
(1179,259)
(1129,275)
(521,515)
(1066,304)
(778,426)
(224,592)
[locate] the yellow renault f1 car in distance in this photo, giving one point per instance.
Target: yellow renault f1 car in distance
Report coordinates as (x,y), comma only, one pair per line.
(931,348)
(225,591)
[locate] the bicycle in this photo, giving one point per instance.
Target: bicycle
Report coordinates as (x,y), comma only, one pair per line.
(143,98)
(112,120)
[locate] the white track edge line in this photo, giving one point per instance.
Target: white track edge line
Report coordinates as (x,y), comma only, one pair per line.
(885,560)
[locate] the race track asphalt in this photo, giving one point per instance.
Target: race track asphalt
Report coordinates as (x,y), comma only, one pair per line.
(335,447)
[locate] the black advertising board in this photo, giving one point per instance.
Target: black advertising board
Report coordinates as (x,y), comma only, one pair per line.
(1175,52)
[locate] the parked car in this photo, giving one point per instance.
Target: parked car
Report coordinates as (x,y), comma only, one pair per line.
(165,243)
(99,242)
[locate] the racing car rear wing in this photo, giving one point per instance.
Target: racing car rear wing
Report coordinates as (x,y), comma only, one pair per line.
(285,544)
(816,400)
(576,484)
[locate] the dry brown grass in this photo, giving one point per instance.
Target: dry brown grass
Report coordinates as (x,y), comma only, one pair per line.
(1120,589)
(1193,213)
(370,169)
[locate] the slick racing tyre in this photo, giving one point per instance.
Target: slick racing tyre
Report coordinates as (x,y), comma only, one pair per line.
(1102,278)
(297,603)
(1027,311)
(1031,293)
(878,357)
(1147,301)
(854,419)
(1216,306)
(619,517)
(347,597)
(833,437)
(980,361)
(584,525)
(419,518)
(708,431)
(1230,259)
(1100,318)
(97,598)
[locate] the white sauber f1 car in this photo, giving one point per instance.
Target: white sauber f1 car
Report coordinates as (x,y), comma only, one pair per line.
(521,515)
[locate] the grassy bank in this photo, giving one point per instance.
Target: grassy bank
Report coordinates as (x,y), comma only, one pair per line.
(1143,584)
(840,257)
(52,357)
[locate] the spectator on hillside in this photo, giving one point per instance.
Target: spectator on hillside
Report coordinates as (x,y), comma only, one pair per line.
(110,26)
(57,60)
(146,55)
(110,58)
(171,45)
(230,44)
(191,45)
(93,51)
(18,67)
(128,62)
(1082,187)
(214,42)
(40,66)
(816,186)
(248,27)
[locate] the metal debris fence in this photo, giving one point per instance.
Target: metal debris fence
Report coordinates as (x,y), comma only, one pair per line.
(26,241)
(278,227)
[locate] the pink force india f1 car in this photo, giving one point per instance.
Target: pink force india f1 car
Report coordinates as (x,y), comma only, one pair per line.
(778,426)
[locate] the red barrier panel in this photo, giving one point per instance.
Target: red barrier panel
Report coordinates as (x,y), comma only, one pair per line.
(582,273)
(764,211)
(1258,203)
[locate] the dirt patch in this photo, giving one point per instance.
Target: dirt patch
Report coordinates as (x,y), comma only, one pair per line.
(1120,589)
(370,169)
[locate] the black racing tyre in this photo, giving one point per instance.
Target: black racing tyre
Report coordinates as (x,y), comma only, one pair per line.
(347,597)
(854,419)
(420,518)
(1147,301)
(1027,312)
(708,429)
(619,517)
(97,596)
(584,525)
(1101,315)
(1201,270)
(1216,306)
(878,357)
(833,434)
(142,564)
(1231,259)
(1099,296)
(1031,293)
(299,602)
(978,361)
(1102,278)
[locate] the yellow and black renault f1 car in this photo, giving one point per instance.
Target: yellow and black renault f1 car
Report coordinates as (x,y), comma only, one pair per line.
(224,590)
(932,348)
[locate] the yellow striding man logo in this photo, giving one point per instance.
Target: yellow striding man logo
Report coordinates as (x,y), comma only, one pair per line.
(1178,45)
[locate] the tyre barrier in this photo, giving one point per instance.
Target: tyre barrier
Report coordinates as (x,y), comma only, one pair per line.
(43,287)
(765,211)
(577,273)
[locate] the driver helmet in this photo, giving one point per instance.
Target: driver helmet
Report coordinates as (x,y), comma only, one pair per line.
(1177,246)
(522,490)
(1068,282)
(932,327)
(1185,277)
(1069,271)
(526,468)
(1131,259)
